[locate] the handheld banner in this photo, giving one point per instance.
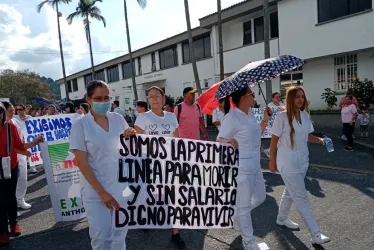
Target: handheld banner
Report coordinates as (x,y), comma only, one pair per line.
(175,183)
(53,128)
(259,114)
(63,178)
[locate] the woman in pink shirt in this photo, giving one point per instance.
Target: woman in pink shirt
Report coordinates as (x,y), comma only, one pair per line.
(349,115)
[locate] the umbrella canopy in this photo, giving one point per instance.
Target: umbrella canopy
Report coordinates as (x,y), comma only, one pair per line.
(257,72)
(207,101)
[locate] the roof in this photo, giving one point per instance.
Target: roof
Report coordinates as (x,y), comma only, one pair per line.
(230,7)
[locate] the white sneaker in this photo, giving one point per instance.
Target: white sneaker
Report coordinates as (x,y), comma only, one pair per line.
(319,239)
(18,214)
(344,137)
(33,170)
(253,245)
(22,204)
(287,223)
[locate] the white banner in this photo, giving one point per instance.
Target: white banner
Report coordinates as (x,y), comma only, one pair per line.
(259,114)
(63,178)
(175,183)
(53,128)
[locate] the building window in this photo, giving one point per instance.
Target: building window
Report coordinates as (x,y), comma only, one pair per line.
(202,47)
(332,9)
(274,27)
(139,66)
(247,33)
(113,74)
(259,29)
(345,71)
(153,62)
(87,79)
(291,78)
(75,84)
(100,75)
(168,57)
(127,70)
(69,87)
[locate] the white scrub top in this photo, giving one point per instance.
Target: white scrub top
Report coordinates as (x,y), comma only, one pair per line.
(217,116)
(296,159)
(102,151)
(245,129)
(153,124)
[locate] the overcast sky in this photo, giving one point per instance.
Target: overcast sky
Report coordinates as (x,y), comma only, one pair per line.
(29,40)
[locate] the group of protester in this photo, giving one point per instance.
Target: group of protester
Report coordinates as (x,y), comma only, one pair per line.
(94,140)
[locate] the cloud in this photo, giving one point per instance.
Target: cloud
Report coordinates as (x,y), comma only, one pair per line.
(21,47)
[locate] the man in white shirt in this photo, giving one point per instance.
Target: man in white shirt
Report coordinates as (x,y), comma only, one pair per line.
(117,109)
(218,114)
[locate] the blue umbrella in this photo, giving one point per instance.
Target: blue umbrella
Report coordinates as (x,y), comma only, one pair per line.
(256,72)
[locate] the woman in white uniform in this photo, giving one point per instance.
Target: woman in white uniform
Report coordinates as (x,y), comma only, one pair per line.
(291,132)
(94,141)
(159,123)
(240,128)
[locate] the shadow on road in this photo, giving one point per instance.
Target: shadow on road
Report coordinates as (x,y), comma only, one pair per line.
(39,205)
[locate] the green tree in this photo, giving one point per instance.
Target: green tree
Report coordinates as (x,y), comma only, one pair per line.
(86,9)
(330,98)
(142,4)
(22,86)
(364,92)
(55,4)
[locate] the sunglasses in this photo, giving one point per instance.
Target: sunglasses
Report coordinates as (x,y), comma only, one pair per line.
(19,109)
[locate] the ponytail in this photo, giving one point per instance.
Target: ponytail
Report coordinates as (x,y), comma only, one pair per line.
(227,104)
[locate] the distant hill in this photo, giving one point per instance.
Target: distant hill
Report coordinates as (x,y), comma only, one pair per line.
(55,88)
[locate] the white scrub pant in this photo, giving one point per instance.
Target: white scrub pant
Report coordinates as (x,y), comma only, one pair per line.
(296,193)
(22,178)
(102,235)
(251,193)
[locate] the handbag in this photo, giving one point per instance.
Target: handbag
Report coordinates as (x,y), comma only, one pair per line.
(5,166)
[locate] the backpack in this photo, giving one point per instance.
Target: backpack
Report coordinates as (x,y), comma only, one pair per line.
(180,109)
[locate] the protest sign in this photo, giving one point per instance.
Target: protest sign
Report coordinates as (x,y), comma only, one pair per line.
(53,128)
(259,114)
(63,178)
(175,183)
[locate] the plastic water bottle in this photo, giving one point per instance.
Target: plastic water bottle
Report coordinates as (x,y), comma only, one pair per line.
(328,143)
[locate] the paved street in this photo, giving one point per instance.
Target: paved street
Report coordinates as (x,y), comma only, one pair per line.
(342,201)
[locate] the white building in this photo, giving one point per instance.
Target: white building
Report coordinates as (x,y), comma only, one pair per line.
(337,43)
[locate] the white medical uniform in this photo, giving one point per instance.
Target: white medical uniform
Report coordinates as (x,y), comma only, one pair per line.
(217,116)
(22,166)
(251,185)
(153,124)
(292,165)
(102,155)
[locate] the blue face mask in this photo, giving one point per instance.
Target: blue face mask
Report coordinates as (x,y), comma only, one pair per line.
(101,107)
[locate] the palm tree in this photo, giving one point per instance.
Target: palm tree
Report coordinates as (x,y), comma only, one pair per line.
(87,9)
(192,50)
(142,4)
(54,4)
(269,86)
(220,42)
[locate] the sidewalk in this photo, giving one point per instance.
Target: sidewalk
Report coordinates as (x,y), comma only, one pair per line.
(366,145)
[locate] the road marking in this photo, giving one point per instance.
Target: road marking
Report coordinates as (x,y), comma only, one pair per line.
(352,170)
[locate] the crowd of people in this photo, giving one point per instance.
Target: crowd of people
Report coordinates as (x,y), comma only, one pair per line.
(94,140)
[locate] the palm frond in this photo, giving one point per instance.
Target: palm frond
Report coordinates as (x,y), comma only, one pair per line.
(40,6)
(71,17)
(95,10)
(98,17)
(142,3)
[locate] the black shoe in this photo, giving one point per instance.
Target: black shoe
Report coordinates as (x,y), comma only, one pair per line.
(348,149)
(177,241)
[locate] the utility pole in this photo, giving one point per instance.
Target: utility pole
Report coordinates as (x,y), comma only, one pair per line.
(269,87)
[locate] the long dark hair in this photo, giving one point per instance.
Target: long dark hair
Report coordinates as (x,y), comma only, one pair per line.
(235,98)
(70,106)
(86,107)
(2,112)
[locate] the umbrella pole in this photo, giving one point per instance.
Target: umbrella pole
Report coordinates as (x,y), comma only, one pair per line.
(262,93)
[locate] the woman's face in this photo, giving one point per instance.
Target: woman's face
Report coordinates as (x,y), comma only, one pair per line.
(67,110)
(10,112)
(155,99)
(248,99)
(299,98)
(100,94)
(276,99)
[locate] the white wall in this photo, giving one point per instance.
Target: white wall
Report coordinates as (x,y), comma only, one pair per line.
(300,36)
